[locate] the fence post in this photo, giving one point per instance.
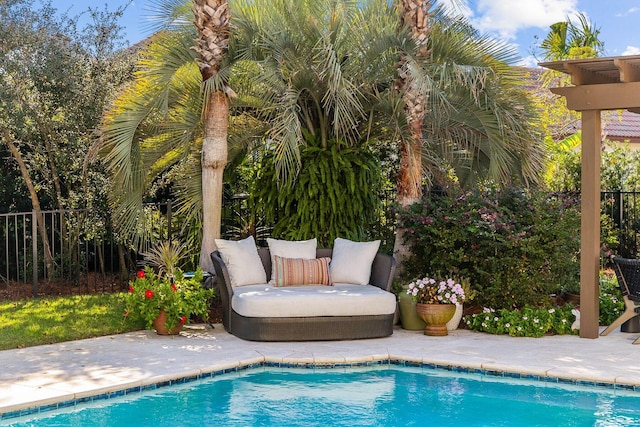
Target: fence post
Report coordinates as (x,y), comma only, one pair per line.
(620,208)
(34,248)
(169,217)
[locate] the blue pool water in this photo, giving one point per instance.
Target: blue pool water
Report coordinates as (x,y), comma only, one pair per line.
(366,396)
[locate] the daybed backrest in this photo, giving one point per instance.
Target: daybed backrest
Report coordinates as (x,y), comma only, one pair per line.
(382,270)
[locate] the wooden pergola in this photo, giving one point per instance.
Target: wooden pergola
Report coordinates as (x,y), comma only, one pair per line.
(599,84)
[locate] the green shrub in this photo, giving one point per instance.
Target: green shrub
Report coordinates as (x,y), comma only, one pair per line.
(526,322)
(516,247)
(611,303)
(335,194)
(535,322)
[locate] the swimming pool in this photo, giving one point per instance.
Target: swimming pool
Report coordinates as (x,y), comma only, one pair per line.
(385,395)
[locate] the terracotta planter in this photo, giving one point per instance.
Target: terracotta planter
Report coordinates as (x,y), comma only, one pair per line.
(436,317)
(161,329)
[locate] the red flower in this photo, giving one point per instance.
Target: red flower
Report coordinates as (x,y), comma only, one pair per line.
(126,313)
(140,274)
(174,287)
(148,293)
(131,289)
(183,319)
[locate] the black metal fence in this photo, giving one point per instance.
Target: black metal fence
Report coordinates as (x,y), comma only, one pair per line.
(72,253)
(623,207)
(52,252)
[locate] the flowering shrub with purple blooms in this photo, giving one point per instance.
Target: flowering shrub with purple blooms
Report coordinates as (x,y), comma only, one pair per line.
(436,291)
(516,247)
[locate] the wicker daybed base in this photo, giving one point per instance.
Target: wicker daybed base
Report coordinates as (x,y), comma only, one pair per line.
(324,328)
(310,328)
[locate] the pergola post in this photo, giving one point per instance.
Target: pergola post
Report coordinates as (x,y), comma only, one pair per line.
(590,225)
(598,84)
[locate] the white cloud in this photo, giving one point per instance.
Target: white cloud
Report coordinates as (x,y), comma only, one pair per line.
(631,50)
(528,61)
(629,12)
(507,17)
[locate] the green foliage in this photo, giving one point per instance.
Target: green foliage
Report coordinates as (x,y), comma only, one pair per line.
(335,194)
(516,247)
(535,322)
(619,169)
(526,322)
(179,297)
(166,256)
(611,303)
(56,80)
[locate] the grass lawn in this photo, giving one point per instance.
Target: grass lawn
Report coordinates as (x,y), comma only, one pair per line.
(40,321)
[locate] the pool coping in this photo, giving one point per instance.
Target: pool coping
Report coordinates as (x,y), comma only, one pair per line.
(394,350)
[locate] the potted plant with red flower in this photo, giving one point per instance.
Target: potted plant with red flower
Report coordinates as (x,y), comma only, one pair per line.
(167,301)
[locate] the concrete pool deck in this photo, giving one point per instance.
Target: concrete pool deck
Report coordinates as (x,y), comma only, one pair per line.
(38,377)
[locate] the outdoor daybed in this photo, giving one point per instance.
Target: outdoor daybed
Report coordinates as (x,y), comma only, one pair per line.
(305,297)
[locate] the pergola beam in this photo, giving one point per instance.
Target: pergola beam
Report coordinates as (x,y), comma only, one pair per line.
(611,96)
(629,72)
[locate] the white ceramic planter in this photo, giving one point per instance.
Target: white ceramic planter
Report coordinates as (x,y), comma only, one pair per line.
(455,320)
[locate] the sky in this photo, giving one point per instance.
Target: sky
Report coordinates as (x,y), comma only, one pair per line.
(517,22)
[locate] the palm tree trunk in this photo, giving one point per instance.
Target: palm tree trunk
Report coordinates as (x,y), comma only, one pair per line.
(214,160)
(415,15)
(211,18)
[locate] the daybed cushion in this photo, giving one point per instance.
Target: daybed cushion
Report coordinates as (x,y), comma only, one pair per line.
(351,261)
(311,301)
(298,271)
(305,249)
(242,260)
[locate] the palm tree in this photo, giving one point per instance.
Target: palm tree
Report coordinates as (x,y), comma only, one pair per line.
(462,104)
(567,40)
(415,17)
(325,69)
(167,118)
(212,24)
(154,127)
(316,67)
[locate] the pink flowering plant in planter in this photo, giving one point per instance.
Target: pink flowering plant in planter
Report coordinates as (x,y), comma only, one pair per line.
(179,297)
(436,291)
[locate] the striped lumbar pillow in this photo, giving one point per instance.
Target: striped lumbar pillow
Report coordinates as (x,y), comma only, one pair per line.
(298,271)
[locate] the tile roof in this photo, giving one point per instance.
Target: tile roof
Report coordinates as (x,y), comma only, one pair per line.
(623,124)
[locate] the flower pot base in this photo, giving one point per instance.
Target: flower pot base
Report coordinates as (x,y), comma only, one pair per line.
(161,329)
(436,330)
(436,317)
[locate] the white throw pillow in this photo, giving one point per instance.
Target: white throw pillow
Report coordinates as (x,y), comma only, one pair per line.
(243,262)
(351,261)
(304,249)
